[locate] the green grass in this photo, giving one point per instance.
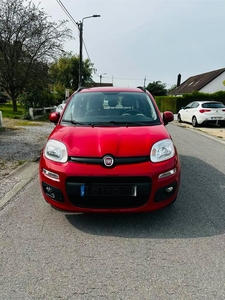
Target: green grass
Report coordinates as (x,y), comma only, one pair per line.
(7,111)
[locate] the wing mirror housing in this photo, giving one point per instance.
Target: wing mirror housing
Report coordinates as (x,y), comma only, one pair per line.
(168,117)
(54,117)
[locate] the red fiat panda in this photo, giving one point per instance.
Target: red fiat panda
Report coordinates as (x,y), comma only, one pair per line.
(110,152)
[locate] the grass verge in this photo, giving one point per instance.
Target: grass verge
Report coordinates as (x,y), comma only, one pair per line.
(7,111)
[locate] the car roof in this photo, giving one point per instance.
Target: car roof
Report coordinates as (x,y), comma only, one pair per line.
(112,89)
(207,101)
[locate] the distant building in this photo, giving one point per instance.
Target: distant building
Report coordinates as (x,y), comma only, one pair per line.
(210,82)
(95,84)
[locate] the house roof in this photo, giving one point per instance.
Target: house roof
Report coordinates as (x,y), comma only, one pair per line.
(92,83)
(196,83)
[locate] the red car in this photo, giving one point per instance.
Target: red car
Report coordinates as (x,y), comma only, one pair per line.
(110,152)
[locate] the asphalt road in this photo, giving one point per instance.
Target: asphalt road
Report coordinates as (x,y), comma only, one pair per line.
(176,253)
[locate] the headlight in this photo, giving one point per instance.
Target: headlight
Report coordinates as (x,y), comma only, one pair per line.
(56,151)
(162,150)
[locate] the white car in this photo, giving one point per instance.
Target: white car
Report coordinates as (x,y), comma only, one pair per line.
(203,112)
(60,107)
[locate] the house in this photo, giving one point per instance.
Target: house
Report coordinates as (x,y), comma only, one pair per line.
(92,83)
(95,84)
(209,82)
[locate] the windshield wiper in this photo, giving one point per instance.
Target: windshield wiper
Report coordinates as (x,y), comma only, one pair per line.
(111,123)
(107,123)
(72,122)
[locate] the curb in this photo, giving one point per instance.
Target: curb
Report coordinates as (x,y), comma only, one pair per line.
(19,178)
(199,131)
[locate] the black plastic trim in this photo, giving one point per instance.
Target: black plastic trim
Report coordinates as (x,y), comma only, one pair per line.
(142,88)
(117,160)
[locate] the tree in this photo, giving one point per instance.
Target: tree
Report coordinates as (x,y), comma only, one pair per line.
(171,88)
(3,97)
(157,88)
(28,42)
(38,90)
(65,71)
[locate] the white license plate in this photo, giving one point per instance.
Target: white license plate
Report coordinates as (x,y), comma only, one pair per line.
(107,190)
(216,118)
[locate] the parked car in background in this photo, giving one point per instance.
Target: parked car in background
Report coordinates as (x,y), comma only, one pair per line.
(110,152)
(60,107)
(203,112)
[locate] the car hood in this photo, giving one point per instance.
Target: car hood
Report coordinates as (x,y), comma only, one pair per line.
(117,141)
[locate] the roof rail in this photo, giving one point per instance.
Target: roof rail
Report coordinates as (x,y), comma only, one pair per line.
(142,88)
(80,89)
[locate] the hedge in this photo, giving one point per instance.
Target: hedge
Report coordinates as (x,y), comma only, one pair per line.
(175,103)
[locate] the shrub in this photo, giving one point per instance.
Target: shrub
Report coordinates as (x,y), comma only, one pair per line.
(3,98)
(174,104)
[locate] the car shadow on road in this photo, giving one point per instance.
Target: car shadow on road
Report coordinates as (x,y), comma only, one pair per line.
(198,212)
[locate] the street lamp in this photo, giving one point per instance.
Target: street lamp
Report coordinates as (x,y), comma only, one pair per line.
(101,78)
(80,27)
(144,81)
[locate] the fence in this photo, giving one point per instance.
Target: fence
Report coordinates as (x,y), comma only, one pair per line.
(1,124)
(36,113)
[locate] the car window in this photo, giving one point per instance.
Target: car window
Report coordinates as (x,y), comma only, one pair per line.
(189,105)
(213,105)
(195,104)
(99,107)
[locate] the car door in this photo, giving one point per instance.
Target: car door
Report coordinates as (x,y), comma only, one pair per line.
(186,112)
(193,111)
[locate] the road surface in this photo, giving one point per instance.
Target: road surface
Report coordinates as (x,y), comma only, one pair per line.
(176,253)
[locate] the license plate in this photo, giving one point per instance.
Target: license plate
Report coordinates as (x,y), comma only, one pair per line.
(108,190)
(216,118)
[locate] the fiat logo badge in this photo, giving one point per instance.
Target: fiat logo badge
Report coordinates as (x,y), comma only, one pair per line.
(108,161)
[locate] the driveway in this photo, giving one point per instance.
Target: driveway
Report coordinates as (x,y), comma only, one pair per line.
(21,141)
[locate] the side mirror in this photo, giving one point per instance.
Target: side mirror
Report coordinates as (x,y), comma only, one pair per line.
(54,117)
(168,117)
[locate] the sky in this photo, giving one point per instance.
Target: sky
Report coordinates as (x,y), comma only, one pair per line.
(136,42)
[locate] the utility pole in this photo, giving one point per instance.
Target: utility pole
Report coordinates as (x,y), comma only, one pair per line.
(101,78)
(144,81)
(80,27)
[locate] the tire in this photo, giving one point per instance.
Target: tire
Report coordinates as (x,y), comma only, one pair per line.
(194,122)
(179,118)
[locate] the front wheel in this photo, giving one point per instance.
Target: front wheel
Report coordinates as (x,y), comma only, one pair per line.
(194,122)
(179,118)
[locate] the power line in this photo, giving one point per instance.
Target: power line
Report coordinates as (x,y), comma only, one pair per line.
(132,79)
(86,50)
(72,19)
(66,11)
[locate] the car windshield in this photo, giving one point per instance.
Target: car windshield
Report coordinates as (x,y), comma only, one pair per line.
(111,108)
(213,105)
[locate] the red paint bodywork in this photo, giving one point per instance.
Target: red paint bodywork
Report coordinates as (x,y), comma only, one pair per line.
(126,141)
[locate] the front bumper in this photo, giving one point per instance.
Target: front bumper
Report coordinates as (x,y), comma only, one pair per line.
(152,193)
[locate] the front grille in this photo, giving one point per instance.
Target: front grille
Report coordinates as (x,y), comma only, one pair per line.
(74,190)
(117,160)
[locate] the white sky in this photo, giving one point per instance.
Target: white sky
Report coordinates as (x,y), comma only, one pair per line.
(134,39)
